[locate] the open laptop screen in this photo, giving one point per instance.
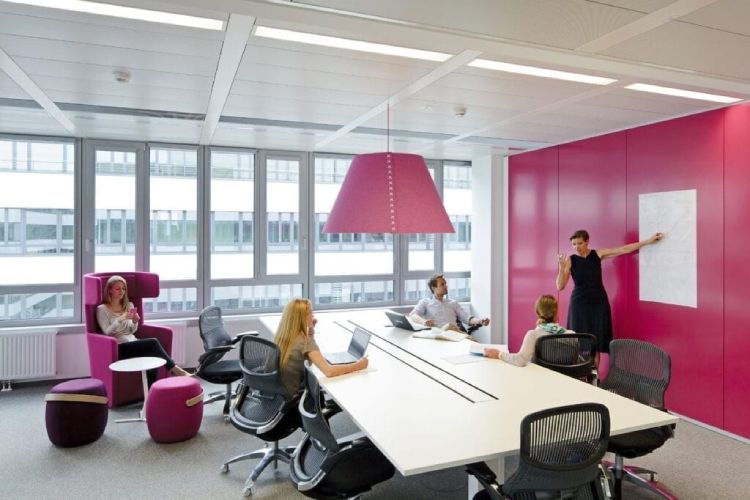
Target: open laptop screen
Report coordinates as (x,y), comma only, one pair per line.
(359,343)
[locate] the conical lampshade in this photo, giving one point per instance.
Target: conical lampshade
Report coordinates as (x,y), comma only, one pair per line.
(388,193)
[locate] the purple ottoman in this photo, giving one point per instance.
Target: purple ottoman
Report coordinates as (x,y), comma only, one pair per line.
(76,412)
(174,409)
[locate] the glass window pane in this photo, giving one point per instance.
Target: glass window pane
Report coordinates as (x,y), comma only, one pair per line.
(232,213)
(356,292)
(40,305)
(282,205)
(36,215)
(174,211)
(344,254)
(254,297)
(173,300)
(114,195)
(457,201)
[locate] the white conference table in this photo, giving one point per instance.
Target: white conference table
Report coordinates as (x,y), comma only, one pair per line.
(426,412)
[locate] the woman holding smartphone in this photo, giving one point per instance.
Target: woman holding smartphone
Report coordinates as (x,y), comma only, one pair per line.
(119,318)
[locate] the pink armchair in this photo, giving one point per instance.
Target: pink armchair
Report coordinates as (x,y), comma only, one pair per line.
(122,388)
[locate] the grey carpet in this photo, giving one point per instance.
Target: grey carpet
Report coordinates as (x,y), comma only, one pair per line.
(125,463)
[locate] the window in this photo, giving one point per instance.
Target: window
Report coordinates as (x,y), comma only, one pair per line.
(173,204)
(282,215)
(457,200)
(37,231)
(358,260)
(263,242)
(232,214)
(114,205)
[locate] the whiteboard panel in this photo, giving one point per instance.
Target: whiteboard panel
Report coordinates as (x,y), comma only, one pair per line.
(668,269)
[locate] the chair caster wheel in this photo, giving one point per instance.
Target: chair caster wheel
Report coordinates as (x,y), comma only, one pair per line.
(225,468)
(247,492)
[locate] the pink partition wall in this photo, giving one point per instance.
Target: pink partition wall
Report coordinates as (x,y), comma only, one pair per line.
(532,184)
(598,187)
(686,153)
(592,197)
(737,271)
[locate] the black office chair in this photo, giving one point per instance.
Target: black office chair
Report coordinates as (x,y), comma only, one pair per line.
(561,451)
(324,467)
(216,343)
(641,371)
(571,354)
(261,407)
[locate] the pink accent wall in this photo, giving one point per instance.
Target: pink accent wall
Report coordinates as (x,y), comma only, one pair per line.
(684,154)
(533,242)
(737,271)
(599,183)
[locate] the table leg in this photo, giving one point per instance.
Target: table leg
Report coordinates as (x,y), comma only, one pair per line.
(142,413)
(498,467)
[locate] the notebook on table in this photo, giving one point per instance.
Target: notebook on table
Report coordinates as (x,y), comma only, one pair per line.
(357,348)
(401,321)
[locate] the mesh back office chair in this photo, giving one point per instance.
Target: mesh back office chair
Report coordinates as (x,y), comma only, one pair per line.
(641,371)
(261,407)
(324,467)
(561,451)
(216,343)
(571,354)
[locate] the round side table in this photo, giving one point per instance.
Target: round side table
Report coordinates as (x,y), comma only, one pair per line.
(140,364)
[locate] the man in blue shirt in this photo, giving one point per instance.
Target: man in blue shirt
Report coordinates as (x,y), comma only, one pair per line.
(441,311)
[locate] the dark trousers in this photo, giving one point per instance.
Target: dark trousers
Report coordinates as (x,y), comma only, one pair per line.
(145,347)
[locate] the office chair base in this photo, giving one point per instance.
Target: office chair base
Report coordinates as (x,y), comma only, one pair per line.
(267,455)
(632,474)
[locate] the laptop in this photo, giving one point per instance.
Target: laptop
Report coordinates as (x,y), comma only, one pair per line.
(356,350)
(401,321)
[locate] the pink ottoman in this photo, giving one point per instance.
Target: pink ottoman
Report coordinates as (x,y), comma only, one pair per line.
(174,409)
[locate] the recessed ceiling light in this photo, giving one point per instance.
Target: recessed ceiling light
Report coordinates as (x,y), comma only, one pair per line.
(541,72)
(345,43)
(103,9)
(690,94)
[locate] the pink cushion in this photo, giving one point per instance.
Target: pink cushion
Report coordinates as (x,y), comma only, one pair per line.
(168,415)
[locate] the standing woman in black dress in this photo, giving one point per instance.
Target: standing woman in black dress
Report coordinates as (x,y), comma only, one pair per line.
(589,310)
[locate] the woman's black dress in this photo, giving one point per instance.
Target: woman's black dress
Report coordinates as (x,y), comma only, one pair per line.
(589,310)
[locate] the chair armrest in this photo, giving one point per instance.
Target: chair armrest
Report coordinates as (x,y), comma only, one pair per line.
(219,349)
(239,336)
(102,347)
(161,333)
(486,478)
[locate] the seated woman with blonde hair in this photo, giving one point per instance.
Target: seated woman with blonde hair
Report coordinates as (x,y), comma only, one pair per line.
(118,318)
(295,337)
(546,324)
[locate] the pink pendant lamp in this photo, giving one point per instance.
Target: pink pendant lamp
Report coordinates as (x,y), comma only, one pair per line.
(388,193)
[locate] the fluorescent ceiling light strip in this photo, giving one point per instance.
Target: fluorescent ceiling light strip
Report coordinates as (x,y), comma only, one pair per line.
(103,9)
(690,94)
(345,43)
(541,72)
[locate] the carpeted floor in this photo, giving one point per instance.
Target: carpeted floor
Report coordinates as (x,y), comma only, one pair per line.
(125,463)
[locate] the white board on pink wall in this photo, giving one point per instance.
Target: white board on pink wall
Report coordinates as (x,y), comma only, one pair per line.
(668,269)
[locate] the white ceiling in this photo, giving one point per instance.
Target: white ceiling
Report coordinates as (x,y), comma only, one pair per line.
(59,66)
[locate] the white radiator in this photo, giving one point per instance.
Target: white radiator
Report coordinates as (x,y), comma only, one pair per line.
(179,342)
(27,355)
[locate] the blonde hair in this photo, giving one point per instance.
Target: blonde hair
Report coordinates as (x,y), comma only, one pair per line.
(114,279)
(546,308)
(293,324)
